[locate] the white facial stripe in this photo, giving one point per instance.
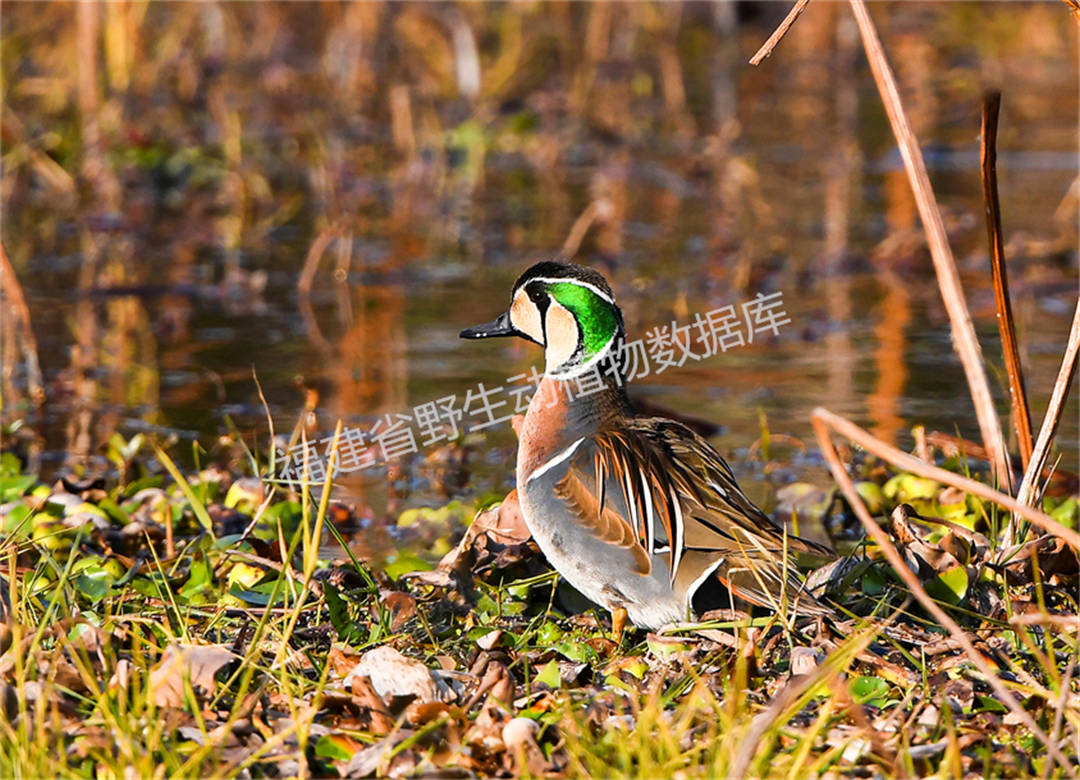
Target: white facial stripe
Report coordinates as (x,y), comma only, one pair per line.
(577,371)
(568,280)
(554,461)
(526,317)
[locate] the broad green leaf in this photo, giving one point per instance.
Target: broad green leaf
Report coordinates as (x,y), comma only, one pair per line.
(245,575)
(181,482)
(667,646)
(15,521)
(479,632)
(871,691)
(988,704)
(13,487)
(340,619)
(329,747)
(873,584)
(151,585)
(260,594)
(199,583)
(549,675)
(548,634)
(113,511)
(403,564)
(909,488)
(244,495)
(93,582)
(1067,512)
(870,493)
(950,586)
(10,465)
(576,651)
(142,484)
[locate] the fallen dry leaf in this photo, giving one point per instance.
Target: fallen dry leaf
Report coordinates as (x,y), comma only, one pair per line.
(1055,557)
(197,663)
(497,539)
(366,697)
(401,607)
(393,676)
(365,763)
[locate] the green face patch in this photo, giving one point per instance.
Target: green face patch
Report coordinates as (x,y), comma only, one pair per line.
(595,316)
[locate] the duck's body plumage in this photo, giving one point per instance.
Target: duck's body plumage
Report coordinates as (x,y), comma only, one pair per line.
(638,513)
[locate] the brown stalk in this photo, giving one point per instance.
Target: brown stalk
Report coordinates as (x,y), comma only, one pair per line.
(1006,327)
(779,32)
(821,419)
(1027,493)
(963,333)
(910,463)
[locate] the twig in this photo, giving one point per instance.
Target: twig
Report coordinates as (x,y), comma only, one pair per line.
(910,463)
(1006,326)
(820,420)
(963,333)
(779,32)
(1025,496)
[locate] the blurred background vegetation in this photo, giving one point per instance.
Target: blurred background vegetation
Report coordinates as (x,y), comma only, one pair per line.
(328,192)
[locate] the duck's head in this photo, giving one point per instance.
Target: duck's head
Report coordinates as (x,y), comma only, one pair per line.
(568,310)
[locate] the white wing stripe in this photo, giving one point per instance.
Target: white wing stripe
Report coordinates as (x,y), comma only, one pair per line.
(631,505)
(677,542)
(554,461)
(701,579)
(650,515)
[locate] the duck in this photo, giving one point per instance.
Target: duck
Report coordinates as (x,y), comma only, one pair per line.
(639,513)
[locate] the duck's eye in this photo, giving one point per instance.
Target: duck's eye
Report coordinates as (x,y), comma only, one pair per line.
(537,295)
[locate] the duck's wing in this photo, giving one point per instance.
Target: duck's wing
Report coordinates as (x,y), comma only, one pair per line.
(677,495)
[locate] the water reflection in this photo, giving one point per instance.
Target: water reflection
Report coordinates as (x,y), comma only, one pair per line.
(327,193)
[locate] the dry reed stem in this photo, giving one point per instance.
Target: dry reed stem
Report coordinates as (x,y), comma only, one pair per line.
(910,463)
(1026,494)
(599,210)
(779,32)
(578,230)
(963,332)
(1006,326)
(11,293)
(314,255)
(821,419)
